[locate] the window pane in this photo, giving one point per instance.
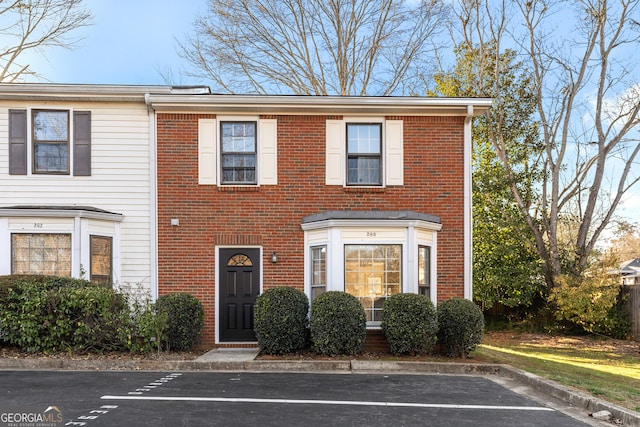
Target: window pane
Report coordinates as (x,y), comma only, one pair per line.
(101,256)
(239,161)
(48,254)
(364,153)
(318,271)
(51,157)
(424,270)
(364,170)
(239,137)
(372,274)
(51,126)
(238,152)
(364,138)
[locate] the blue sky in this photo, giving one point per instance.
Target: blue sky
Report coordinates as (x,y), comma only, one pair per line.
(134,41)
(130,42)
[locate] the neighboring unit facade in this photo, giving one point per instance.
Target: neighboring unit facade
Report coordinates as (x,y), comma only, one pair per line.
(630,272)
(366,195)
(77,182)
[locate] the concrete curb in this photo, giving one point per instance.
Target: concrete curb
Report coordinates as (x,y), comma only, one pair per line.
(572,397)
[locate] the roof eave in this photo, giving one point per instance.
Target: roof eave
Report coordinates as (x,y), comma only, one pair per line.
(266,104)
(89,92)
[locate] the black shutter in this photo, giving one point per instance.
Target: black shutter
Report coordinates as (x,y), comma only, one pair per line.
(82,143)
(18,142)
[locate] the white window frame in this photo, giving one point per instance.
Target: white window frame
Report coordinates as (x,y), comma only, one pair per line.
(392,151)
(30,143)
(79,224)
(335,234)
(33,233)
(68,142)
(210,150)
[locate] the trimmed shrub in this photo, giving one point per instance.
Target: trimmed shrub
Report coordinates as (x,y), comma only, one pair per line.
(280,320)
(338,324)
(409,323)
(460,326)
(49,314)
(184,320)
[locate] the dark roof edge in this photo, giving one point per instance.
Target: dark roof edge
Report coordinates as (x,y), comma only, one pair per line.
(60,211)
(404,215)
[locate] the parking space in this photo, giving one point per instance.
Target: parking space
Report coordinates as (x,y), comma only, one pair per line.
(275,399)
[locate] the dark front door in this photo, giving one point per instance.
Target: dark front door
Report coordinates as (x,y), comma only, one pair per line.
(239,287)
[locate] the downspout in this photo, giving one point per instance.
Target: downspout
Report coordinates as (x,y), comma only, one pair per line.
(468,219)
(153,199)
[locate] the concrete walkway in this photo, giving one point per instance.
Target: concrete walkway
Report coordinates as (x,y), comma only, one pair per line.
(229,355)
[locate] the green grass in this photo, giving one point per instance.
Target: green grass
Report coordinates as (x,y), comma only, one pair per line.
(598,369)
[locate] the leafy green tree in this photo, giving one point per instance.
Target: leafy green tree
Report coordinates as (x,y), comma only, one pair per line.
(506,269)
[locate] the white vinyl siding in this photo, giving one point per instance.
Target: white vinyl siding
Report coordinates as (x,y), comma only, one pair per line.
(119,181)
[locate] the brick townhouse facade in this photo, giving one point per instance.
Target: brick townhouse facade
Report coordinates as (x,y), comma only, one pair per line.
(366,195)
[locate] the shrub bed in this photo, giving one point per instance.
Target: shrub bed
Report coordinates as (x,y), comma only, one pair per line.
(280,320)
(460,326)
(409,323)
(49,314)
(338,324)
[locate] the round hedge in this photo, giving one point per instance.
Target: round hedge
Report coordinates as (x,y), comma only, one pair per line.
(409,323)
(338,324)
(280,320)
(185,320)
(460,326)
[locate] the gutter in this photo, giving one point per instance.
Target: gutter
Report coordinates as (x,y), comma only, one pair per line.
(468,206)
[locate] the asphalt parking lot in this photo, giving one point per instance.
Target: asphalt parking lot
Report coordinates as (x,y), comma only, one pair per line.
(273,399)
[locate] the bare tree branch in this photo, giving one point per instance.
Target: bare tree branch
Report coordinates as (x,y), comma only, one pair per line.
(582,61)
(344,47)
(27,25)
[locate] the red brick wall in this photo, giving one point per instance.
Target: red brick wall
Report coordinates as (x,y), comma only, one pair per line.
(270,216)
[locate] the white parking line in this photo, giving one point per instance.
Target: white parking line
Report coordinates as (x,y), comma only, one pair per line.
(327,402)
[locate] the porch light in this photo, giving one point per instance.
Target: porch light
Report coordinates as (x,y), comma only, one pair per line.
(274,257)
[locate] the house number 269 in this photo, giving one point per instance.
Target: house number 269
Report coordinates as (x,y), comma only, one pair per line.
(371,234)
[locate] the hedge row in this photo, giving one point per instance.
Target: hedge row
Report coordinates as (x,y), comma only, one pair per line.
(337,323)
(52,314)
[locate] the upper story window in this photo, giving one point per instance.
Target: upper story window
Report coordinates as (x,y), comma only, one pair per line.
(364,153)
(59,142)
(238,141)
(237,150)
(50,141)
